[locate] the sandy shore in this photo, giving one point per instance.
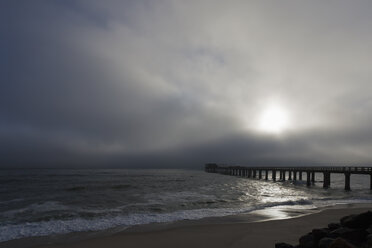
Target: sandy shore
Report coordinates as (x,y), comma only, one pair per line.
(225,233)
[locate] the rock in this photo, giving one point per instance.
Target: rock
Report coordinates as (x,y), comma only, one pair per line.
(307,241)
(337,233)
(356,235)
(325,242)
(369,229)
(333,226)
(363,220)
(369,240)
(352,232)
(283,245)
(318,234)
(340,243)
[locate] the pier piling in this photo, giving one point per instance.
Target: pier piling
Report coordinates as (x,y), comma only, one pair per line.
(347,181)
(251,172)
(313,177)
(326,179)
(308,183)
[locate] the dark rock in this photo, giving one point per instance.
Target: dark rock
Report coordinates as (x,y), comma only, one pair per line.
(356,235)
(325,242)
(333,226)
(369,240)
(363,220)
(318,234)
(337,233)
(283,245)
(369,229)
(354,231)
(307,241)
(340,243)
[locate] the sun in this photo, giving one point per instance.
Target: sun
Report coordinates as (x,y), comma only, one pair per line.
(274,120)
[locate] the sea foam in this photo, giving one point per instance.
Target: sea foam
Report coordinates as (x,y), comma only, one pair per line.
(44,228)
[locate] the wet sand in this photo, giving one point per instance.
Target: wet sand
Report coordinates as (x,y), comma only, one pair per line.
(216,232)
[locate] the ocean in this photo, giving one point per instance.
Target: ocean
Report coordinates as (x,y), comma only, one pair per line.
(50,201)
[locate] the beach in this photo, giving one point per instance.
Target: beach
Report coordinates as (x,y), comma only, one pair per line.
(216,232)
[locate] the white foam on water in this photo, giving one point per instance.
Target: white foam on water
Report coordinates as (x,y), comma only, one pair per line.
(11,201)
(333,202)
(16,231)
(182,196)
(36,208)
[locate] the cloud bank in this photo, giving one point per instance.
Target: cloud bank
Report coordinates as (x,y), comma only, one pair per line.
(181,83)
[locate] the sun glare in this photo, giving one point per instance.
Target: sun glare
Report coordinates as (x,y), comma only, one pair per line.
(273,119)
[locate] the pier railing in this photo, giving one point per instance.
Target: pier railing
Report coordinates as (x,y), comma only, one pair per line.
(293,172)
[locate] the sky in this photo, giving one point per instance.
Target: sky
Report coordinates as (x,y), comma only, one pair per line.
(177,84)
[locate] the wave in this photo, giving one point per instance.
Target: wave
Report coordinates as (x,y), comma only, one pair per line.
(115,187)
(36,208)
(180,196)
(331,202)
(286,203)
(121,186)
(99,203)
(12,200)
(77,188)
(43,228)
(11,180)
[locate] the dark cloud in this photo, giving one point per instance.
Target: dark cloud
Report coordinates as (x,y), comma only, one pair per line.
(178,84)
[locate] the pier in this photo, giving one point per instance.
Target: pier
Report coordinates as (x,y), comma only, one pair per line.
(291,173)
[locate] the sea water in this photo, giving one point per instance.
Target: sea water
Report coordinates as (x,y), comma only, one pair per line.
(45,202)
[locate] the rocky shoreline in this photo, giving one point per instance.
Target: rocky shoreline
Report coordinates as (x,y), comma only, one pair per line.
(353,231)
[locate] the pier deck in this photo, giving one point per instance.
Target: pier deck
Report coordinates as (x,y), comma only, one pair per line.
(294,173)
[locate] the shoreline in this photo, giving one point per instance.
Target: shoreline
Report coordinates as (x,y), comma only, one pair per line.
(260,228)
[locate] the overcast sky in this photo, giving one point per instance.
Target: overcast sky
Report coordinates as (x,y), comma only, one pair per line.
(181,83)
